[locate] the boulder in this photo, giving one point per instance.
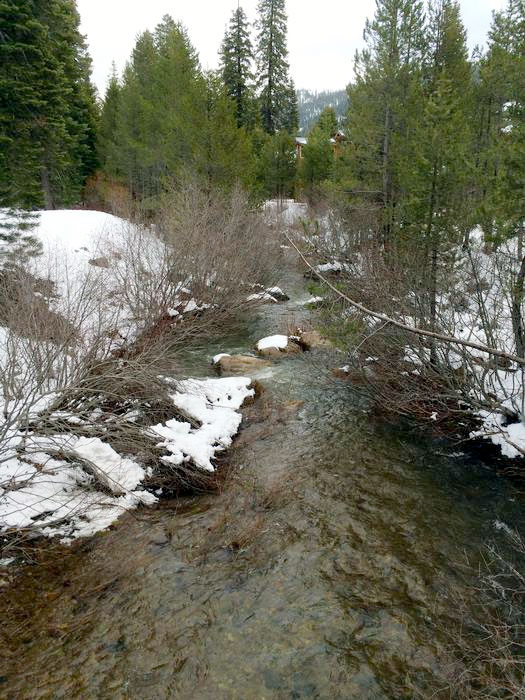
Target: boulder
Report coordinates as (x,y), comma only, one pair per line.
(277,346)
(240,364)
(278,294)
(313,340)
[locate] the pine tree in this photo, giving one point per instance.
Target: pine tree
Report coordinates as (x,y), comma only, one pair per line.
(166,119)
(24,71)
(17,242)
(317,165)
(236,56)
(384,100)
(278,165)
(278,101)
(107,133)
(502,114)
(442,147)
(290,118)
(47,104)
(328,122)
(225,154)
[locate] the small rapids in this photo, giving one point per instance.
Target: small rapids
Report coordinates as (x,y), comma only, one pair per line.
(330,564)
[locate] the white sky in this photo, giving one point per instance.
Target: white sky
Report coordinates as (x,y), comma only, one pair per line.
(322,36)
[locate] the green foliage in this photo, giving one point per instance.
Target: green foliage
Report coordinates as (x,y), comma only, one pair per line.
(17,242)
(225,153)
(48,113)
(500,143)
(108,124)
(440,173)
(277,167)
(385,101)
(236,56)
(328,122)
(318,159)
(165,119)
(277,95)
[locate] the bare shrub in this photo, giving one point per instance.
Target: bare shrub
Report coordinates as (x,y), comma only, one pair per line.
(83,349)
(445,350)
(487,648)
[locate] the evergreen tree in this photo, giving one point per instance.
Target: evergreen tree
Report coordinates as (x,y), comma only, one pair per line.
(166,119)
(328,122)
(441,172)
(236,66)
(278,100)
(24,71)
(318,159)
(290,118)
(278,166)
(385,100)
(225,154)
(161,107)
(17,242)
(501,141)
(47,104)
(107,132)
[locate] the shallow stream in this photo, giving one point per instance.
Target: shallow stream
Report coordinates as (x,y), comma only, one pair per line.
(329,565)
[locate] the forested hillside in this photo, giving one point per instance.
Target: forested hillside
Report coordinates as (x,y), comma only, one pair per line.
(311,104)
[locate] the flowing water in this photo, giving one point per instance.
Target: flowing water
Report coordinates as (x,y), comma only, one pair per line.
(329,566)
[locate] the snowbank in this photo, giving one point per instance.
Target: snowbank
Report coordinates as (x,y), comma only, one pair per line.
(288,211)
(88,491)
(73,485)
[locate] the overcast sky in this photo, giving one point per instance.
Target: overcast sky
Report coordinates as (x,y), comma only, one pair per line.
(322,36)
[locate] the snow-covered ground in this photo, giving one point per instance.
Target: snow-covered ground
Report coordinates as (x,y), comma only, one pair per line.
(53,484)
(72,485)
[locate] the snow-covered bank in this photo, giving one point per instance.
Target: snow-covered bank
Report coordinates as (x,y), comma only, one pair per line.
(71,486)
(99,286)
(464,391)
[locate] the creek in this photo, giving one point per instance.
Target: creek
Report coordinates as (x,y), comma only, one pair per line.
(329,565)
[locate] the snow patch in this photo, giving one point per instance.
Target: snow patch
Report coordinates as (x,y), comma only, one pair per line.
(214,403)
(279,342)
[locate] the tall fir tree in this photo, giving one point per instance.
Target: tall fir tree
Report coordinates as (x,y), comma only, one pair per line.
(441,169)
(108,125)
(278,165)
(385,99)
(502,118)
(225,153)
(236,57)
(48,112)
(328,122)
(277,96)
(166,119)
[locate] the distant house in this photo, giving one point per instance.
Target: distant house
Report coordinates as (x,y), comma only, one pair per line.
(300,143)
(336,142)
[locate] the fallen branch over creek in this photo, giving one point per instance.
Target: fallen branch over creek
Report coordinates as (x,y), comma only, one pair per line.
(403,326)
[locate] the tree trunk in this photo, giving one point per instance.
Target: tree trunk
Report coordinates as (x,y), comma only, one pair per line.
(517,319)
(46,188)
(434,242)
